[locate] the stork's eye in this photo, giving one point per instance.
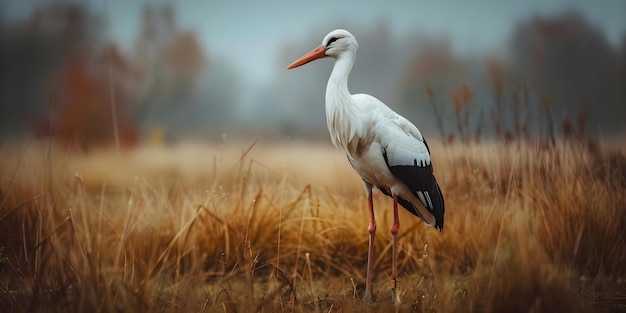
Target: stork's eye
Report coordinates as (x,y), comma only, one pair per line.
(331,40)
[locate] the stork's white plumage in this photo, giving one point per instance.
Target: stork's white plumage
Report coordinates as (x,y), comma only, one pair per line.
(385,149)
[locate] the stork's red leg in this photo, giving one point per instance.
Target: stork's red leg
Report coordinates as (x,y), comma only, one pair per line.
(394,259)
(371,228)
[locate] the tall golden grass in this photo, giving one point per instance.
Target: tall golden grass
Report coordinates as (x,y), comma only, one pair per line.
(283,227)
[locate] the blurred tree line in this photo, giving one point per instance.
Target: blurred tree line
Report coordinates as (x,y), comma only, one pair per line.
(62,77)
(561,78)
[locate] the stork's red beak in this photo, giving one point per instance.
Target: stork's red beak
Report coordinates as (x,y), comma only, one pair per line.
(317,53)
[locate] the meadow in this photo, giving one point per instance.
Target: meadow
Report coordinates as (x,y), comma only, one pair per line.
(268,227)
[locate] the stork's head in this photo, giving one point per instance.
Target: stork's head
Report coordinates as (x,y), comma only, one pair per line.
(335,44)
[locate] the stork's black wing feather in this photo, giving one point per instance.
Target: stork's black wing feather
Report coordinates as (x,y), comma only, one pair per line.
(417,175)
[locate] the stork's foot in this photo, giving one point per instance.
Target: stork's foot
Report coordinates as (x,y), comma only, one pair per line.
(395,296)
(367,298)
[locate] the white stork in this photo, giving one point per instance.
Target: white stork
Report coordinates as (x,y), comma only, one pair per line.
(386,150)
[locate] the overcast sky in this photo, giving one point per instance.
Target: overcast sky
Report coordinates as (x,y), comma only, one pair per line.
(249,32)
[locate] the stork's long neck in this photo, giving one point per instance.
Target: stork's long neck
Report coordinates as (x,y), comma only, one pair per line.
(339,107)
(338,81)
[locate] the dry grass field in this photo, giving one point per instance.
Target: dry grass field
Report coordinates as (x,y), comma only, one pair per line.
(265,227)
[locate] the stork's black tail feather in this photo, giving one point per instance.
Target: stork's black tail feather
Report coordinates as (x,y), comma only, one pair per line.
(439,207)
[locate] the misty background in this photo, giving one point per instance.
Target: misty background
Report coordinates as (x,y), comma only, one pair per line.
(103,72)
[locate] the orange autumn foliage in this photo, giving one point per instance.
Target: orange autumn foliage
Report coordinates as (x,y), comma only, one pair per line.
(81,109)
